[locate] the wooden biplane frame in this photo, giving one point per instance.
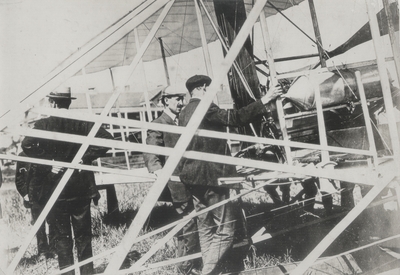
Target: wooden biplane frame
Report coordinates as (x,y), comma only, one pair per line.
(377,178)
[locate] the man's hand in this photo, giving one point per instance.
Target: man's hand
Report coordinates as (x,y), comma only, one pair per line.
(272,94)
(26,197)
(96,198)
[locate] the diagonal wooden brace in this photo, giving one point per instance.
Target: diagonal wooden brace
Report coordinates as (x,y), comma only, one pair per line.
(342,225)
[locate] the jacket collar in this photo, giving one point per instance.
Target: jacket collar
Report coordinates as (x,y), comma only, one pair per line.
(169,113)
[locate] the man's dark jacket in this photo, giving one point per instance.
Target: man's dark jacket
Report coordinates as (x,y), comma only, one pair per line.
(156,162)
(153,162)
(34,180)
(22,176)
(81,184)
(199,172)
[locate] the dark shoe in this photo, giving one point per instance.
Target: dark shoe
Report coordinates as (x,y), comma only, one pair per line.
(50,255)
(43,250)
(27,204)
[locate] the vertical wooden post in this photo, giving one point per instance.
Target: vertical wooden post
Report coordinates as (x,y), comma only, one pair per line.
(367,119)
(317,33)
(142,117)
(120,127)
(164,61)
(87,96)
(127,131)
(112,200)
(206,53)
(124,140)
(145,93)
(274,81)
(323,141)
(384,79)
(394,38)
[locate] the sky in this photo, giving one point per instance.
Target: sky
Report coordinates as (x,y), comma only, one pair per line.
(37,35)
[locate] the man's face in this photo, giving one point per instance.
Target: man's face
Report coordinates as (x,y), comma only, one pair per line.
(175,104)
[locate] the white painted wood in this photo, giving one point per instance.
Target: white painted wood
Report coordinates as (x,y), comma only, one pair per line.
(367,119)
(82,57)
(183,142)
(60,186)
(342,225)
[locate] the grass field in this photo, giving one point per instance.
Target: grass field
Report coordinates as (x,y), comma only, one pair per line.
(107,231)
(285,247)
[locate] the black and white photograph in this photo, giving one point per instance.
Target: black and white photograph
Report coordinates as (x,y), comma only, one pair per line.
(199,137)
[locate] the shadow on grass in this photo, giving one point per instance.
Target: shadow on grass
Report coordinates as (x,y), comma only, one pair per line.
(130,259)
(161,215)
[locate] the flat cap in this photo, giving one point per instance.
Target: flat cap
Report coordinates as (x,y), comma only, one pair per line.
(197,81)
(173,91)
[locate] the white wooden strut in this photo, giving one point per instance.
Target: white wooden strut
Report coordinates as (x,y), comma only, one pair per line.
(384,80)
(81,58)
(367,119)
(206,52)
(183,142)
(342,225)
(202,132)
(59,188)
(274,81)
(343,176)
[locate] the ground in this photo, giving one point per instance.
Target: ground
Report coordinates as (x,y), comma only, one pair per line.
(294,231)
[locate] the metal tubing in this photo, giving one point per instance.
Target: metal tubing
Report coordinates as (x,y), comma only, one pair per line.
(164,61)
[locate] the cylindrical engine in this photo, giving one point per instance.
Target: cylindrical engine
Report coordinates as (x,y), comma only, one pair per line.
(335,88)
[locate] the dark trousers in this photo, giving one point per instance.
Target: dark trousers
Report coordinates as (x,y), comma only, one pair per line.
(216,227)
(188,241)
(77,214)
(43,245)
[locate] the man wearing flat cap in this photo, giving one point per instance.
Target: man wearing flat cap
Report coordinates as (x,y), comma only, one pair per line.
(188,241)
(72,207)
(216,227)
